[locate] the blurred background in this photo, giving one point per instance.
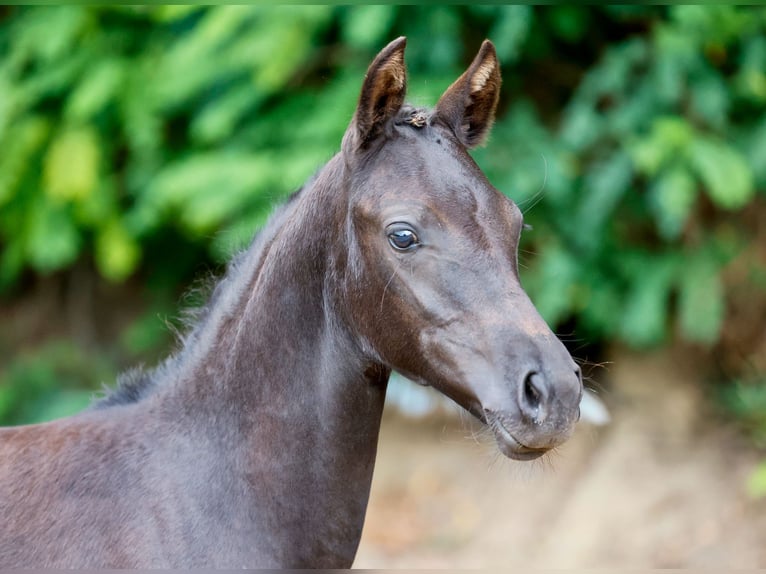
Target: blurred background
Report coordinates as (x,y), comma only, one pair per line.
(141,146)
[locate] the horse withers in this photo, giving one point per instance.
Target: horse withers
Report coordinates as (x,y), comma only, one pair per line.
(254,445)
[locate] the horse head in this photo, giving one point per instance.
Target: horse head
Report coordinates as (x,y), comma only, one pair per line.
(431,277)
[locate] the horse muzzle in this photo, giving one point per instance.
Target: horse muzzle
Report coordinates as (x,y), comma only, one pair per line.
(538,414)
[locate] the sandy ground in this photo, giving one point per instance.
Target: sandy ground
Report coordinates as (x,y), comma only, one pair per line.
(662,486)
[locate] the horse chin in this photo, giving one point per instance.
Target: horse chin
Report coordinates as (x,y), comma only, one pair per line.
(509,445)
(506,442)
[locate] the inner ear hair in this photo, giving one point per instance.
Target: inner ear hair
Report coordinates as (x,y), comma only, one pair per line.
(469,104)
(383,92)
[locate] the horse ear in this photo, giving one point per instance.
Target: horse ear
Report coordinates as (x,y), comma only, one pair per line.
(382,93)
(468,106)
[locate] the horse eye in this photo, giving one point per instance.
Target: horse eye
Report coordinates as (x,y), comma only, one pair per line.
(402,239)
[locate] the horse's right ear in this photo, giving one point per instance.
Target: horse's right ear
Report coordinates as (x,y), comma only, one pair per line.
(382,95)
(468,106)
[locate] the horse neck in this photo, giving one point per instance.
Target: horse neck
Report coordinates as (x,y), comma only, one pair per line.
(277,373)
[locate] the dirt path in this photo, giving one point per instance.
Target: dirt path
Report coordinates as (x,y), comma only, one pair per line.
(661,487)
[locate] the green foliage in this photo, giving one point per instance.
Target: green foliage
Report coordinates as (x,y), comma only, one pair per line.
(655,144)
(633,137)
(756,484)
(746,399)
(56,380)
(126,121)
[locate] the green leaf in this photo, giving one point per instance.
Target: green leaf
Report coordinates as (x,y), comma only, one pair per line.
(672,133)
(98,87)
(712,24)
(724,172)
(367,26)
(669,138)
(604,185)
(672,197)
(99,206)
(221,117)
(52,241)
(552,283)
(701,304)
(17,160)
(647,155)
(184,187)
(751,79)
(10,103)
(432,31)
(755,147)
(668,75)
(625,120)
(645,316)
(710,99)
(173,12)
(581,126)
(510,31)
(72,165)
(117,254)
(756,483)
(602,302)
(194,62)
(12,260)
(50,32)
(273,72)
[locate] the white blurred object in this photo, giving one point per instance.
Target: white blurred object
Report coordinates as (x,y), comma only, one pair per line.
(593,410)
(411,399)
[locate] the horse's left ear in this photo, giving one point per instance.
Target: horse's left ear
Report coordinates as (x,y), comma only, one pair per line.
(468,105)
(382,95)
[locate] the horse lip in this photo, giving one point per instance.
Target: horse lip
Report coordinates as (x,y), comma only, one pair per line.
(509,445)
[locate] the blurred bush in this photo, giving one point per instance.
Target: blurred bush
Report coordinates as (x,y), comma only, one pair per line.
(55,380)
(634,138)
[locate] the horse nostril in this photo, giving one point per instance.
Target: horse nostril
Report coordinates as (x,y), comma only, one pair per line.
(580,386)
(531,392)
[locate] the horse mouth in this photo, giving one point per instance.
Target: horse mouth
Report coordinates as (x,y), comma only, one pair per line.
(509,445)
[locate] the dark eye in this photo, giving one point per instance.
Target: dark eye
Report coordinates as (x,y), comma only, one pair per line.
(402,239)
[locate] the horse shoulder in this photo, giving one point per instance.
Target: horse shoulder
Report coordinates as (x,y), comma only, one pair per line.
(82,473)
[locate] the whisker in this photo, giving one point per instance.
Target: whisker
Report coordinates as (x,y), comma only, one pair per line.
(569,334)
(525,205)
(385,288)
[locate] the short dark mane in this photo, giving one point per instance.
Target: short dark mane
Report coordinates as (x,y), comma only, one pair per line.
(137,383)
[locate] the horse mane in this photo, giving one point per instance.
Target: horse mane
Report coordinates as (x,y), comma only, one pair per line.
(139,382)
